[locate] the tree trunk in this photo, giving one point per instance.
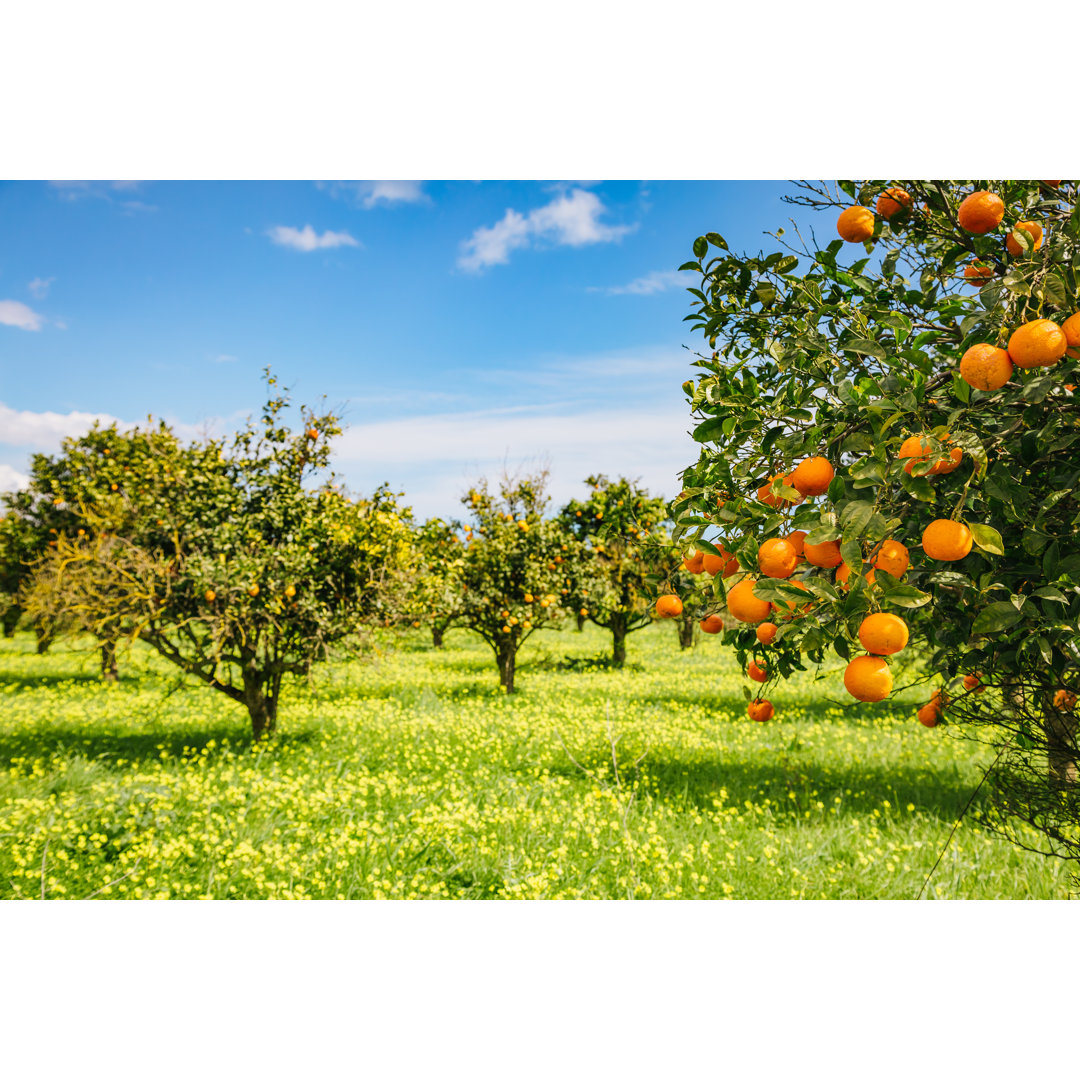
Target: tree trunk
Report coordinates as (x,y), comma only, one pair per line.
(109,670)
(437,634)
(687,633)
(580,622)
(44,639)
(11,619)
(618,638)
(507,657)
(261,699)
(1060,728)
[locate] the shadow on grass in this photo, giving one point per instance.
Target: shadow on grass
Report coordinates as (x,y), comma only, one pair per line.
(38,682)
(697,784)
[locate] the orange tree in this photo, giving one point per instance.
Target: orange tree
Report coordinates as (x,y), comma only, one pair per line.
(618,565)
(223,557)
(512,572)
(904,396)
(432,580)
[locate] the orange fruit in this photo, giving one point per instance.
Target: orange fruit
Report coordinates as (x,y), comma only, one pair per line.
(695,563)
(856,224)
(723,564)
(712,624)
(669,607)
(792,605)
(826,554)
(812,476)
(944,466)
(1064,699)
(744,605)
(760,710)
(842,577)
(892,557)
(777,558)
(986,367)
(1071,329)
(210,596)
(766,632)
(978,274)
(883,634)
(981,212)
(946,540)
(1039,343)
(893,201)
(974,682)
(929,715)
(919,450)
(290,591)
(253,591)
(767,497)
(758,674)
(868,678)
(1033,229)
(797,540)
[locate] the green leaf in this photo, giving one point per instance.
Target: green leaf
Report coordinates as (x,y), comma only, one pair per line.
(997,616)
(987,538)
(822,534)
(906,596)
(710,429)
(866,347)
(701,247)
(690,266)
(854,518)
(851,553)
(716,240)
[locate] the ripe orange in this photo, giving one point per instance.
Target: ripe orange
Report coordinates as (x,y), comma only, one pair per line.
(826,554)
(892,557)
(210,596)
(893,201)
(1064,699)
(777,558)
(946,540)
(766,632)
(744,605)
(868,678)
(856,224)
(919,450)
(1039,343)
(986,367)
(760,709)
(1071,329)
(1033,229)
(981,212)
(812,476)
(974,682)
(929,715)
(669,607)
(978,274)
(290,591)
(253,591)
(766,496)
(723,564)
(313,433)
(797,540)
(712,624)
(758,674)
(883,634)
(695,563)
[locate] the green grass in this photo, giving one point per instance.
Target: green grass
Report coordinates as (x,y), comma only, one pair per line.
(414,776)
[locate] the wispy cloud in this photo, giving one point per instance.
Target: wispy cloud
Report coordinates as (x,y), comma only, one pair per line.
(15,313)
(225,358)
(39,287)
(111,191)
(369,193)
(571,219)
(657,281)
(11,479)
(307,239)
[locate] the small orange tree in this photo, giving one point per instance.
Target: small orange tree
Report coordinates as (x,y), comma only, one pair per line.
(221,556)
(512,576)
(612,528)
(432,581)
(918,395)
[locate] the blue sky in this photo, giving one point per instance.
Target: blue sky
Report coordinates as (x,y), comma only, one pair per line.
(460,325)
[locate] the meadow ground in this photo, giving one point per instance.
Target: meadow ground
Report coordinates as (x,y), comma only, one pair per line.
(411,775)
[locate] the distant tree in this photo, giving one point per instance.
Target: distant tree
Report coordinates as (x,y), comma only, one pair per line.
(616,586)
(432,581)
(512,576)
(221,556)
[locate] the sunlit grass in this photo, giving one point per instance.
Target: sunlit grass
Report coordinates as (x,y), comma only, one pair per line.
(414,776)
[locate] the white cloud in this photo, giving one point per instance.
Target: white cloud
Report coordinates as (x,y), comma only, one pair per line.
(14,313)
(307,239)
(225,358)
(39,287)
(657,281)
(44,430)
(11,479)
(570,219)
(369,193)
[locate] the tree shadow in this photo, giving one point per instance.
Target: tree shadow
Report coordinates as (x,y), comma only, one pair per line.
(38,682)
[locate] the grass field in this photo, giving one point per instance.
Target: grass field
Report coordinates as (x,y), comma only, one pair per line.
(413,776)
